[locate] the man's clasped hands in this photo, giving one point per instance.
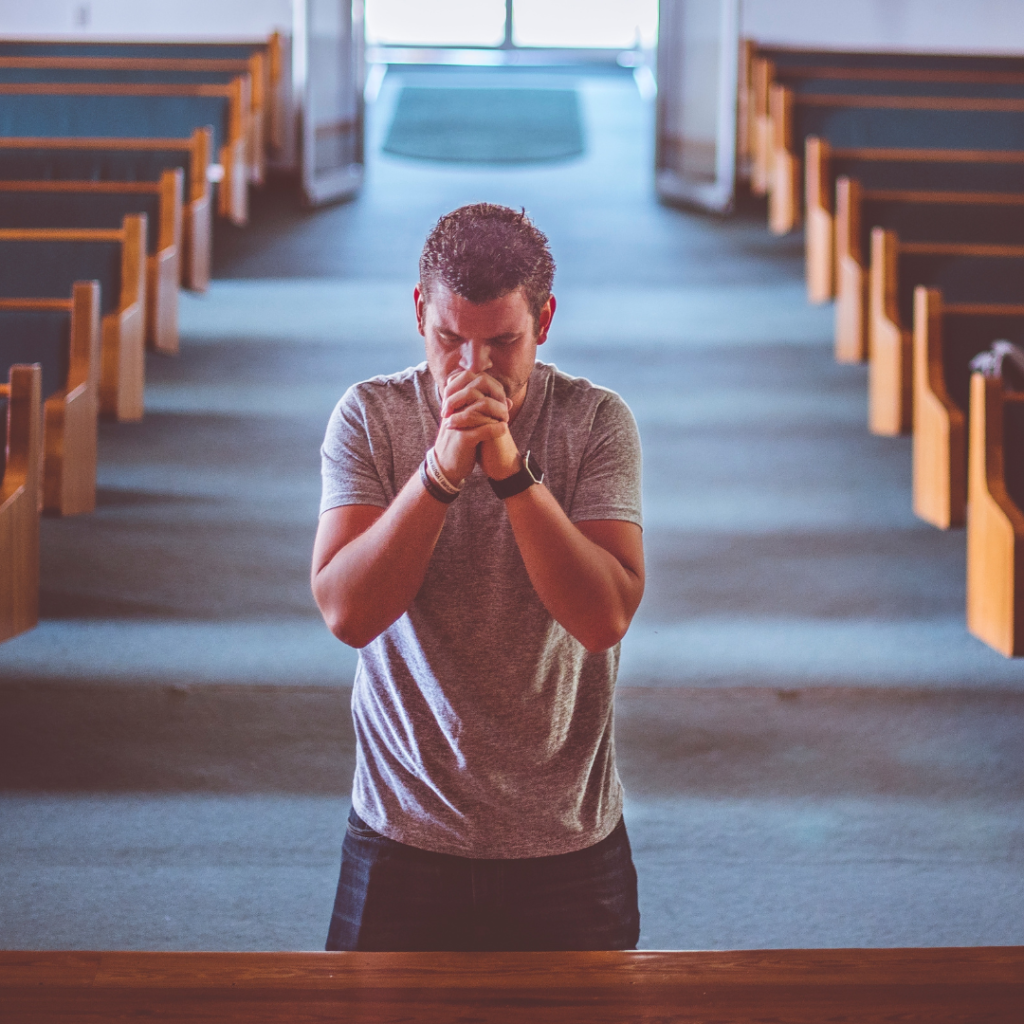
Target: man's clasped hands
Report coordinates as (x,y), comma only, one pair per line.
(475,413)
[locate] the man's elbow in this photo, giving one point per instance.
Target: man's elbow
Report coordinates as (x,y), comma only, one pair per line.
(602,636)
(341,618)
(347,628)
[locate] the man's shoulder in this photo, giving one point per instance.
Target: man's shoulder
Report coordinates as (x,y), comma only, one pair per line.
(404,385)
(571,396)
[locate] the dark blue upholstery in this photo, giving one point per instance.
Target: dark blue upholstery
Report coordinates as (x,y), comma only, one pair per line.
(987,279)
(963,337)
(846,59)
(122,117)
(36,336)
(1013,451)
(120,76)
(981,223)
(887,87)
(209,51)
(932,176)
(910,129)
(49,269)
(92,164)
(79,210)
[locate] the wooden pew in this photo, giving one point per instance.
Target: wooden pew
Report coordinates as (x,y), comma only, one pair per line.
(803,69)
(995,517)
(946,337)
(917,215)
(964,272)
(938,170)
(795,986)
(268,73)
(19,501)
(63,336)
(104,204)
(881,122)
(100,110)
(46,263)
(131,71)
(128,160)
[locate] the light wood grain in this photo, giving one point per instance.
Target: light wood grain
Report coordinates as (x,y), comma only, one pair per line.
(785,204)
(164,269)
(797,986)
(19,504)
(69,414)
(819,237)
(890,350)
(995,528)
(851,345)
(940,428)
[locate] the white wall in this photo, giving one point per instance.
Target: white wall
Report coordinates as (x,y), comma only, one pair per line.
(149,19)
(991,26)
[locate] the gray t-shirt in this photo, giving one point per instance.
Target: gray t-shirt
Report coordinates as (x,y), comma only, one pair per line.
(484,729)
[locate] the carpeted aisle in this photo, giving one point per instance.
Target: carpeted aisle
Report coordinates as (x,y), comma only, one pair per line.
(815,751)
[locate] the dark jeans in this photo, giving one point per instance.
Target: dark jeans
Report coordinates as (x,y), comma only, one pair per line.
(397,897)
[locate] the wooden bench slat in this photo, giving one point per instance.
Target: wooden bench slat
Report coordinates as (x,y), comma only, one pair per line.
(798,986)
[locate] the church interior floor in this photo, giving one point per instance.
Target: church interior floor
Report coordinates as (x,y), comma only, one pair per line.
(815,751)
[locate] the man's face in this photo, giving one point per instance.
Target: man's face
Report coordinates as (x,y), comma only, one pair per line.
(499,337)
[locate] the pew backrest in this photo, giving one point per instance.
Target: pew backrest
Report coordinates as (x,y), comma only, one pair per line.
(110,159)
(96,204)
(54,110)
(63,336)
(19,502)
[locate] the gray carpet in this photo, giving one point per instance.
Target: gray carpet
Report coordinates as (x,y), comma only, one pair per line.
(815,751)
(486,126)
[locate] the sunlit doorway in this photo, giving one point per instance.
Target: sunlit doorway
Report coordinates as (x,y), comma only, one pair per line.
(513,24)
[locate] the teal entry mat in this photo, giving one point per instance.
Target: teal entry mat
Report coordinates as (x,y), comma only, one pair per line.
(486,126)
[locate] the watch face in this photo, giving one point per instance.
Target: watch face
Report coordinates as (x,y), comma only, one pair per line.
(532,467)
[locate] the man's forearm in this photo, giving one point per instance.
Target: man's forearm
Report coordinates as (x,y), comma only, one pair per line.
(585,587)
(371,580)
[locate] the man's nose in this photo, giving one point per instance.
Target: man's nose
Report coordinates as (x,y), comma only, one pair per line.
(476,356)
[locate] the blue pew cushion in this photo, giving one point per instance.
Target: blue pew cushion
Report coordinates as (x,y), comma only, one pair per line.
(122,117)
(36,336)
(80,210)
(49,269)
(93,164)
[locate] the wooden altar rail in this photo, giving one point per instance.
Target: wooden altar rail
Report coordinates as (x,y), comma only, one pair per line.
(912,986)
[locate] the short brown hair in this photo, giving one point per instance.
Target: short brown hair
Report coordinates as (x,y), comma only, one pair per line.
(485,251)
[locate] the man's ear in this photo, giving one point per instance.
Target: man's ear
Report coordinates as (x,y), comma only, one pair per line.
(420,301)
(547,311)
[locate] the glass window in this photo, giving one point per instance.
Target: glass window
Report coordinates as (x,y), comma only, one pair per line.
(599,23)
(435,22)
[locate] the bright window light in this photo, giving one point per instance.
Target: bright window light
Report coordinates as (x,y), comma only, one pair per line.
(598,23)
(435,22)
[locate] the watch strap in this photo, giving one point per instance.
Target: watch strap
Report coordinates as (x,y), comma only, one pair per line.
(530,474)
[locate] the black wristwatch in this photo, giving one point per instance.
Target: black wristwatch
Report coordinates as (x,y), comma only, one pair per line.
(530,474)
